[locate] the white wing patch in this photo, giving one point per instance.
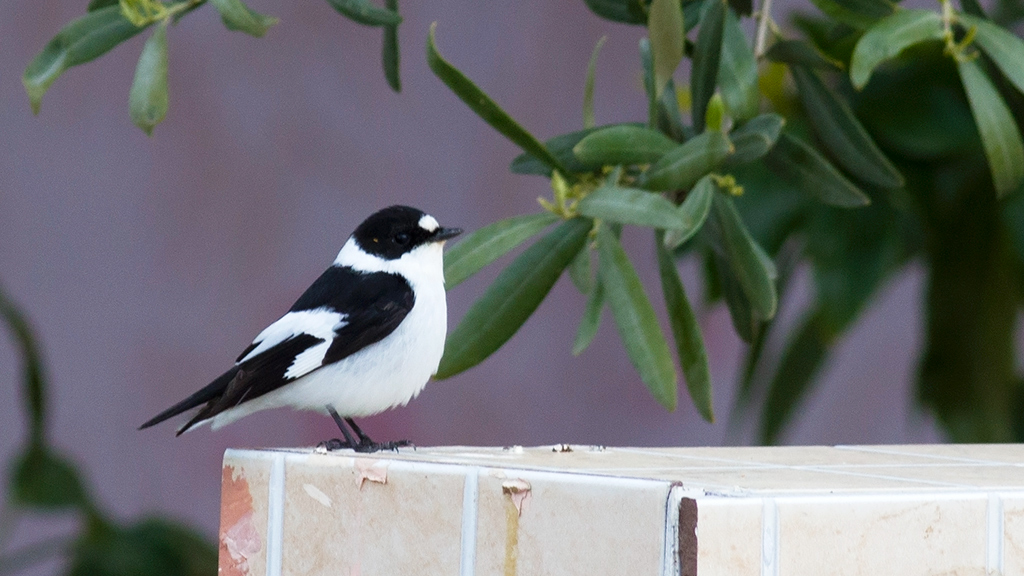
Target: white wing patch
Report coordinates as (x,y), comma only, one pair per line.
(320,322)
(308,360)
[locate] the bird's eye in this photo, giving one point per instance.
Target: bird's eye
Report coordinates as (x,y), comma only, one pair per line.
(402,238)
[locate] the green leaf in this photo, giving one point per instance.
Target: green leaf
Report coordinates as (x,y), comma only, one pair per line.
(152,547)
(41,479)
(389,51)
(745,258)
(1001,45)
(999,134)
(803,53)
(694,210)
(706,56)
(693,357)
(665,27)
(95,5)
(486,109)
(622,144)
(237,16)
(647,63)
(747,324)
(512,298)
(890,36)
(796,161)
(972,7)
(755,138)
(591,319)
(633,206)
(82,40)
(366,12)
(33,376)
(472,253)
(625,11)
(801,361)
(561,148)
(588,85)
(737,74)
(147,100)
(579,272)
(857,13)
(841,132)
(680,168)
(636,321)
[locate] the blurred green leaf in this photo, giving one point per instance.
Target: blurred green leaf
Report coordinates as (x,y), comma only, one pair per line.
(670,119)
(647,63)
(1000,136)
(755,138)
(389,51)
(665,27)
(1005,49)
(634,206)
(82,40)
(742,7)
(625,11)
(706,57)
(737,74)
(588,85)
(43,480)
(147,100)
(366,12)
(97,4)
(636,321)
(803,53)
(237,16)
(745,258)
(580,273)
(680,168)
(622,144)
(486,109)
(561,148)
(972,7)
(801,361)
(693,357)
(33,377)
(797,162)
(856,13)
(747,324)
(591,319)
(694,210)
(841,132)
(153,546)
(512,298)
(890,36)
(472,253)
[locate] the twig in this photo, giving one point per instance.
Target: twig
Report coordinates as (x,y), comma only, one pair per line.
(762,28)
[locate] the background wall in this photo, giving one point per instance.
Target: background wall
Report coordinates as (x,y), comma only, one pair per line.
(147,264)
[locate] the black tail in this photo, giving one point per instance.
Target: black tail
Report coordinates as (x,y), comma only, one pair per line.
(211,391)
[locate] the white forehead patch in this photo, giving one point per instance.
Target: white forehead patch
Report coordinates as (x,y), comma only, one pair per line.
(428,223)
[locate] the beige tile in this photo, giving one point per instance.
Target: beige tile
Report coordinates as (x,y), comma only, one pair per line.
(880,537)
(245,477)
(729,537)
(744,481)
(968,476)
(371,516)
(572,524)
(786,456)
(1008,453)
(1013,535)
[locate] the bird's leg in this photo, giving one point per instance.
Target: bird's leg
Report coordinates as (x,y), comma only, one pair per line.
(337,443)
(368,445)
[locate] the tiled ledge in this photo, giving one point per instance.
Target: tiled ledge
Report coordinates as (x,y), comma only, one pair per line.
(845,510)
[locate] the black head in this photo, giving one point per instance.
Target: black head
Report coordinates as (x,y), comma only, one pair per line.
(397,230)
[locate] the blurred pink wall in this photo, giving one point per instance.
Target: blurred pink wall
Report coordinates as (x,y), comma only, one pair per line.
(147,264)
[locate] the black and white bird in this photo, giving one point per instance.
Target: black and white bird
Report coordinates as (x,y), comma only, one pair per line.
(365,337)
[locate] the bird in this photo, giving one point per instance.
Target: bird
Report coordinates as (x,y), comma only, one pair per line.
(365,337)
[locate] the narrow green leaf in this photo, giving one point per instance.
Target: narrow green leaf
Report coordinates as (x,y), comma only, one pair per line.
(389,51)
(999,134)
(1001,45)
(636,321)
(472,253)
(512,298)
(33,384)
(95,5)
(591,319)
(580,273)
(485,108)
(737,74)
(680,168)
(706,56)
(694,210)
(693,357)
(588,85)
(797,162)
(623,144)
(82,40)
(744,258)
(755,138)
(972,7)
(669,118)
(692,11)
(237,16)
(366,12)
(744,320)
(842,134)
(647,63)
(44,480)
(147,100)
(890,36)
(857,13)
(803,53)
(632,206)
(801,360)
(625,11)
(665,27)
(561,148)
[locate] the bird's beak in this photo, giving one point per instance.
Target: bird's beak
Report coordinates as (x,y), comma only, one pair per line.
(443,234)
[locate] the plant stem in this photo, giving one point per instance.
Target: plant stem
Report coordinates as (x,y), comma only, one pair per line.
(762,28)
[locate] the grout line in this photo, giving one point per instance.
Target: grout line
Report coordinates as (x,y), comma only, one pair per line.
(770,544)
(995,534)
(920,455)
(275,516)
(470,500)
(670,564)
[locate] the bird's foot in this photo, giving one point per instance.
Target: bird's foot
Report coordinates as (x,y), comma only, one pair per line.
(367,446)
(333,444)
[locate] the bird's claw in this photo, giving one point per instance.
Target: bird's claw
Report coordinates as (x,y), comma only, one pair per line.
(365,446)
